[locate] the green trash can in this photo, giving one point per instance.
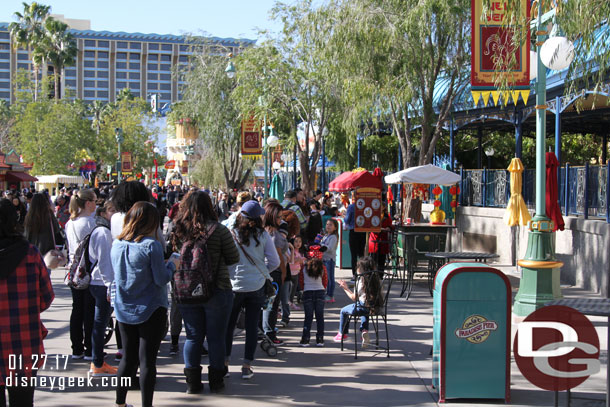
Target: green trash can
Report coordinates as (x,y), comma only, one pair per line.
(471,332)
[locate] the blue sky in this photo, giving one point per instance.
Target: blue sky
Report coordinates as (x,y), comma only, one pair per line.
(224,18)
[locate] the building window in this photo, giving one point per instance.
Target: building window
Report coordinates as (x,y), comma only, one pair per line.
(89,84)
(134,57)
(121,44)
(102,74)
(5,75)
(183,58)
(121,85)
(102,54)
(102,94)
(20,57)
(166,58)
(152,76)
(5,85)
(5,35)
(134,66)
(70,72)
(121,55)
(166,47)
(89,43)
(102,64)
(166,86)
(165,67)
(89,93)
(152,86)
(103,44)
(71,83)
(153,57)
(89,74)
(153,46)
(5,95)
(166,96)
(134,75)
(135,45)
(134,85)
(121,65)
(89,64)
(5,65)
(89,54)
(5,46)
(102,84)
(184,48)
(165,77)
(153,67)
(121,75)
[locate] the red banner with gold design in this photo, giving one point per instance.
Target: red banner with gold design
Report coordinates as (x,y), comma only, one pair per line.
(126,165)
(185,167)
(492,38)
(251,143)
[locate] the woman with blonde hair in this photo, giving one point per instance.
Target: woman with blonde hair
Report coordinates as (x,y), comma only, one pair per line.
(141,276)
(81,223)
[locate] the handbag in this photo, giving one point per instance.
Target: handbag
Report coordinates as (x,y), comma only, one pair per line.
(270,290)
(54,258)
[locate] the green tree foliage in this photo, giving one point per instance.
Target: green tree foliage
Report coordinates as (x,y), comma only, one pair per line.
(49,135)
(293,78)
(391,54)
(207,102)
(208,171)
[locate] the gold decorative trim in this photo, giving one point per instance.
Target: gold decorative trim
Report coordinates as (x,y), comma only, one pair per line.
(539,43)
(542,32)
(535,264)
(541,107)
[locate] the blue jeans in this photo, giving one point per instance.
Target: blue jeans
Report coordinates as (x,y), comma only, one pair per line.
(100,320)
(330,269)
(252,302)
(313,302)
(209,319)
(349,310)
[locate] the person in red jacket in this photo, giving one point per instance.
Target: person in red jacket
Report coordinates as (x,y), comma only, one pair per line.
(25,291)
(379,243)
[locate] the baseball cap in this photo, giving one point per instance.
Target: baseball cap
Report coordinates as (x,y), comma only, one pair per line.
(252,210)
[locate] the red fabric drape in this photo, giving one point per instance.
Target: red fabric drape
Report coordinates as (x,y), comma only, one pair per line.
(553,211)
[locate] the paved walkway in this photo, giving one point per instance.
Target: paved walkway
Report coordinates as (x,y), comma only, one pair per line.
(307,376)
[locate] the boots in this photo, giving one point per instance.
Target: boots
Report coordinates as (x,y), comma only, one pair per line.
(193,380)
(215,379)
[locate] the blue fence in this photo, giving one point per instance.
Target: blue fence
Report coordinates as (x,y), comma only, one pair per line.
(583,190)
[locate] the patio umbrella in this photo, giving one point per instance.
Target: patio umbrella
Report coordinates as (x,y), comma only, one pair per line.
(277,189)
(423,174)
(516,211)
(353,180)
(553,211)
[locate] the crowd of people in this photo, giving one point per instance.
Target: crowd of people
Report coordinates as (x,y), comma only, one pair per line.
(137,240)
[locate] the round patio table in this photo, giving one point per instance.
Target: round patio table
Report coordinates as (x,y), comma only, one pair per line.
(438,259)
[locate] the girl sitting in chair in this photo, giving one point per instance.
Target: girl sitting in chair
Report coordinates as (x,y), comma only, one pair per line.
(367,296)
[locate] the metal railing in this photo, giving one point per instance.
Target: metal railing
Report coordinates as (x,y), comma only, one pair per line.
(582,190)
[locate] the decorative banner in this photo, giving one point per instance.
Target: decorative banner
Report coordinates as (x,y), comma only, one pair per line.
(185,167)
(277,155)
(169,165)
(491,39)
(126,162)
(251,143)
(368,210)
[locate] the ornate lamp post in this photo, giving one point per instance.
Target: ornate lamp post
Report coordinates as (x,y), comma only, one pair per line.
(540,269)
(118,132)
(489,152)
(324,135)
(268,142)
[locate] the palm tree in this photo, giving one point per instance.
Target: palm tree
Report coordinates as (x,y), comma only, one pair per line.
(28,32)
(61,48)
(98,110)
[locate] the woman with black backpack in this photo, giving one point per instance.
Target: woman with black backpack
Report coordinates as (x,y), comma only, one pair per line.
(197,219)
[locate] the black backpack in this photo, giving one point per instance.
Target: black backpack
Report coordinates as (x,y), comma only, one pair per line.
(79,273)
(194,279)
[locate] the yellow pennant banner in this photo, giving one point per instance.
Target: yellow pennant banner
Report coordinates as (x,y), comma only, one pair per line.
(497,96)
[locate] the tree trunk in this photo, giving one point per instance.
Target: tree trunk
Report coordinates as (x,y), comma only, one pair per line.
(57,84)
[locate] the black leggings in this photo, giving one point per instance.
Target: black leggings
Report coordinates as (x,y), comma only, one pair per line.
(141,344)
(22,396)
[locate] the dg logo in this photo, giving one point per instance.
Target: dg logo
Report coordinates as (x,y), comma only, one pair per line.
(557,348)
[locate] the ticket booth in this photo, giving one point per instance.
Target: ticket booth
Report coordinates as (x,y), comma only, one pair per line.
(471,332)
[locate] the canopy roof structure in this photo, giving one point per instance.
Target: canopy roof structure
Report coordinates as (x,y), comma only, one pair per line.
(61,179)
(354,180)
(424,174)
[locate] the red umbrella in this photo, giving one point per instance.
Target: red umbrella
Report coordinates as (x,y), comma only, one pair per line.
(553,211)
(353,180)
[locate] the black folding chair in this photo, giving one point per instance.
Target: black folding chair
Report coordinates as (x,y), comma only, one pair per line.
(373,314)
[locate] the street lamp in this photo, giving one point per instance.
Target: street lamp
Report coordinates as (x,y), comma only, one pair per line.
(230,69)
(540,269)
(155,152)
(268,143)
(359,137)
(118,132)
(489,152)
(324,135)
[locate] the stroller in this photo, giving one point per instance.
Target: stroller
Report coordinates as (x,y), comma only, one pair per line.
(267,344)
